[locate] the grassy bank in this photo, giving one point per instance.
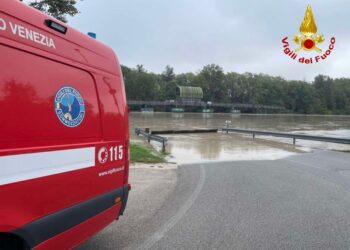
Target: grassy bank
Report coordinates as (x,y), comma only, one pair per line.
(144,154)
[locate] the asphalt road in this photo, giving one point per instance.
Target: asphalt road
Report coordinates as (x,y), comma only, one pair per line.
(300,202)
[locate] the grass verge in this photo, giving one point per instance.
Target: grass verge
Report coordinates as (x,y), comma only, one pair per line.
(141,153)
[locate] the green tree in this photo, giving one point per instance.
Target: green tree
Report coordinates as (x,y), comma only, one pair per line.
(299,97)
(342,96)
(170,90)
(140,68)
(232,86)
(56,8)
(187,79)
(324,87)
(141,85)
(167,84)
(212,82)
(168,74)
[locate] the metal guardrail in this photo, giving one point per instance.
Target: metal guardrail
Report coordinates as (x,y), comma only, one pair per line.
(185,131)
(151,137)
(288,135)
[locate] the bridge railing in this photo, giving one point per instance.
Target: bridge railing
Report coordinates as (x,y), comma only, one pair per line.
(204,104)
(287,135)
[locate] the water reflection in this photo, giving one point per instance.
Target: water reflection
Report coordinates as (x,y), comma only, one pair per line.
(207,147)
(218,146)
(177,115)
(207,115)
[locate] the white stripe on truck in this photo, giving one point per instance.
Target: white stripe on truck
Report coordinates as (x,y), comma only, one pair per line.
(22,167)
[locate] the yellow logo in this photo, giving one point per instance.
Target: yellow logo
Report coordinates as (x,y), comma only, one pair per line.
(308,40)
(308,28)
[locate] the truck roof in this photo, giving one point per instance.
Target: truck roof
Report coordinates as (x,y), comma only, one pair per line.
(73,45)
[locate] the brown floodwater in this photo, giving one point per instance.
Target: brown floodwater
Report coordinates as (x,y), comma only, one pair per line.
(189,148)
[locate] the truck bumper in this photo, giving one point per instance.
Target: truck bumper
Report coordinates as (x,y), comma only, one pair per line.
(50,226)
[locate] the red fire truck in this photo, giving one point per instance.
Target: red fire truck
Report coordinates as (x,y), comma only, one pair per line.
(64,132)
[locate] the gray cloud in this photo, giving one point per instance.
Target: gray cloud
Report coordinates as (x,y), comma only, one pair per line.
(241,36)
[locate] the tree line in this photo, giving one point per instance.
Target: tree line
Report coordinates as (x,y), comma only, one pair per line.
(323,96)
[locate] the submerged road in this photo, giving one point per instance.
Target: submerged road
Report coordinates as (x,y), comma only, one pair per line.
(300,202)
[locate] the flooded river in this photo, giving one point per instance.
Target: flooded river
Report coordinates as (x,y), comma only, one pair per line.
(190,148)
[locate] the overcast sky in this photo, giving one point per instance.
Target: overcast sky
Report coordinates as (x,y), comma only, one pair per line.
(240,36)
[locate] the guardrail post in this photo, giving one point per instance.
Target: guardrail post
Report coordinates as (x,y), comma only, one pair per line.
(163,146)
(253,136)
(227,123)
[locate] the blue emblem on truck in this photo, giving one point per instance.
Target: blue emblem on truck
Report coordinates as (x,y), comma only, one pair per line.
(69,106)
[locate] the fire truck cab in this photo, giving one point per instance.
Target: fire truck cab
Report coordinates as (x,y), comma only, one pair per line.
(64,144)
